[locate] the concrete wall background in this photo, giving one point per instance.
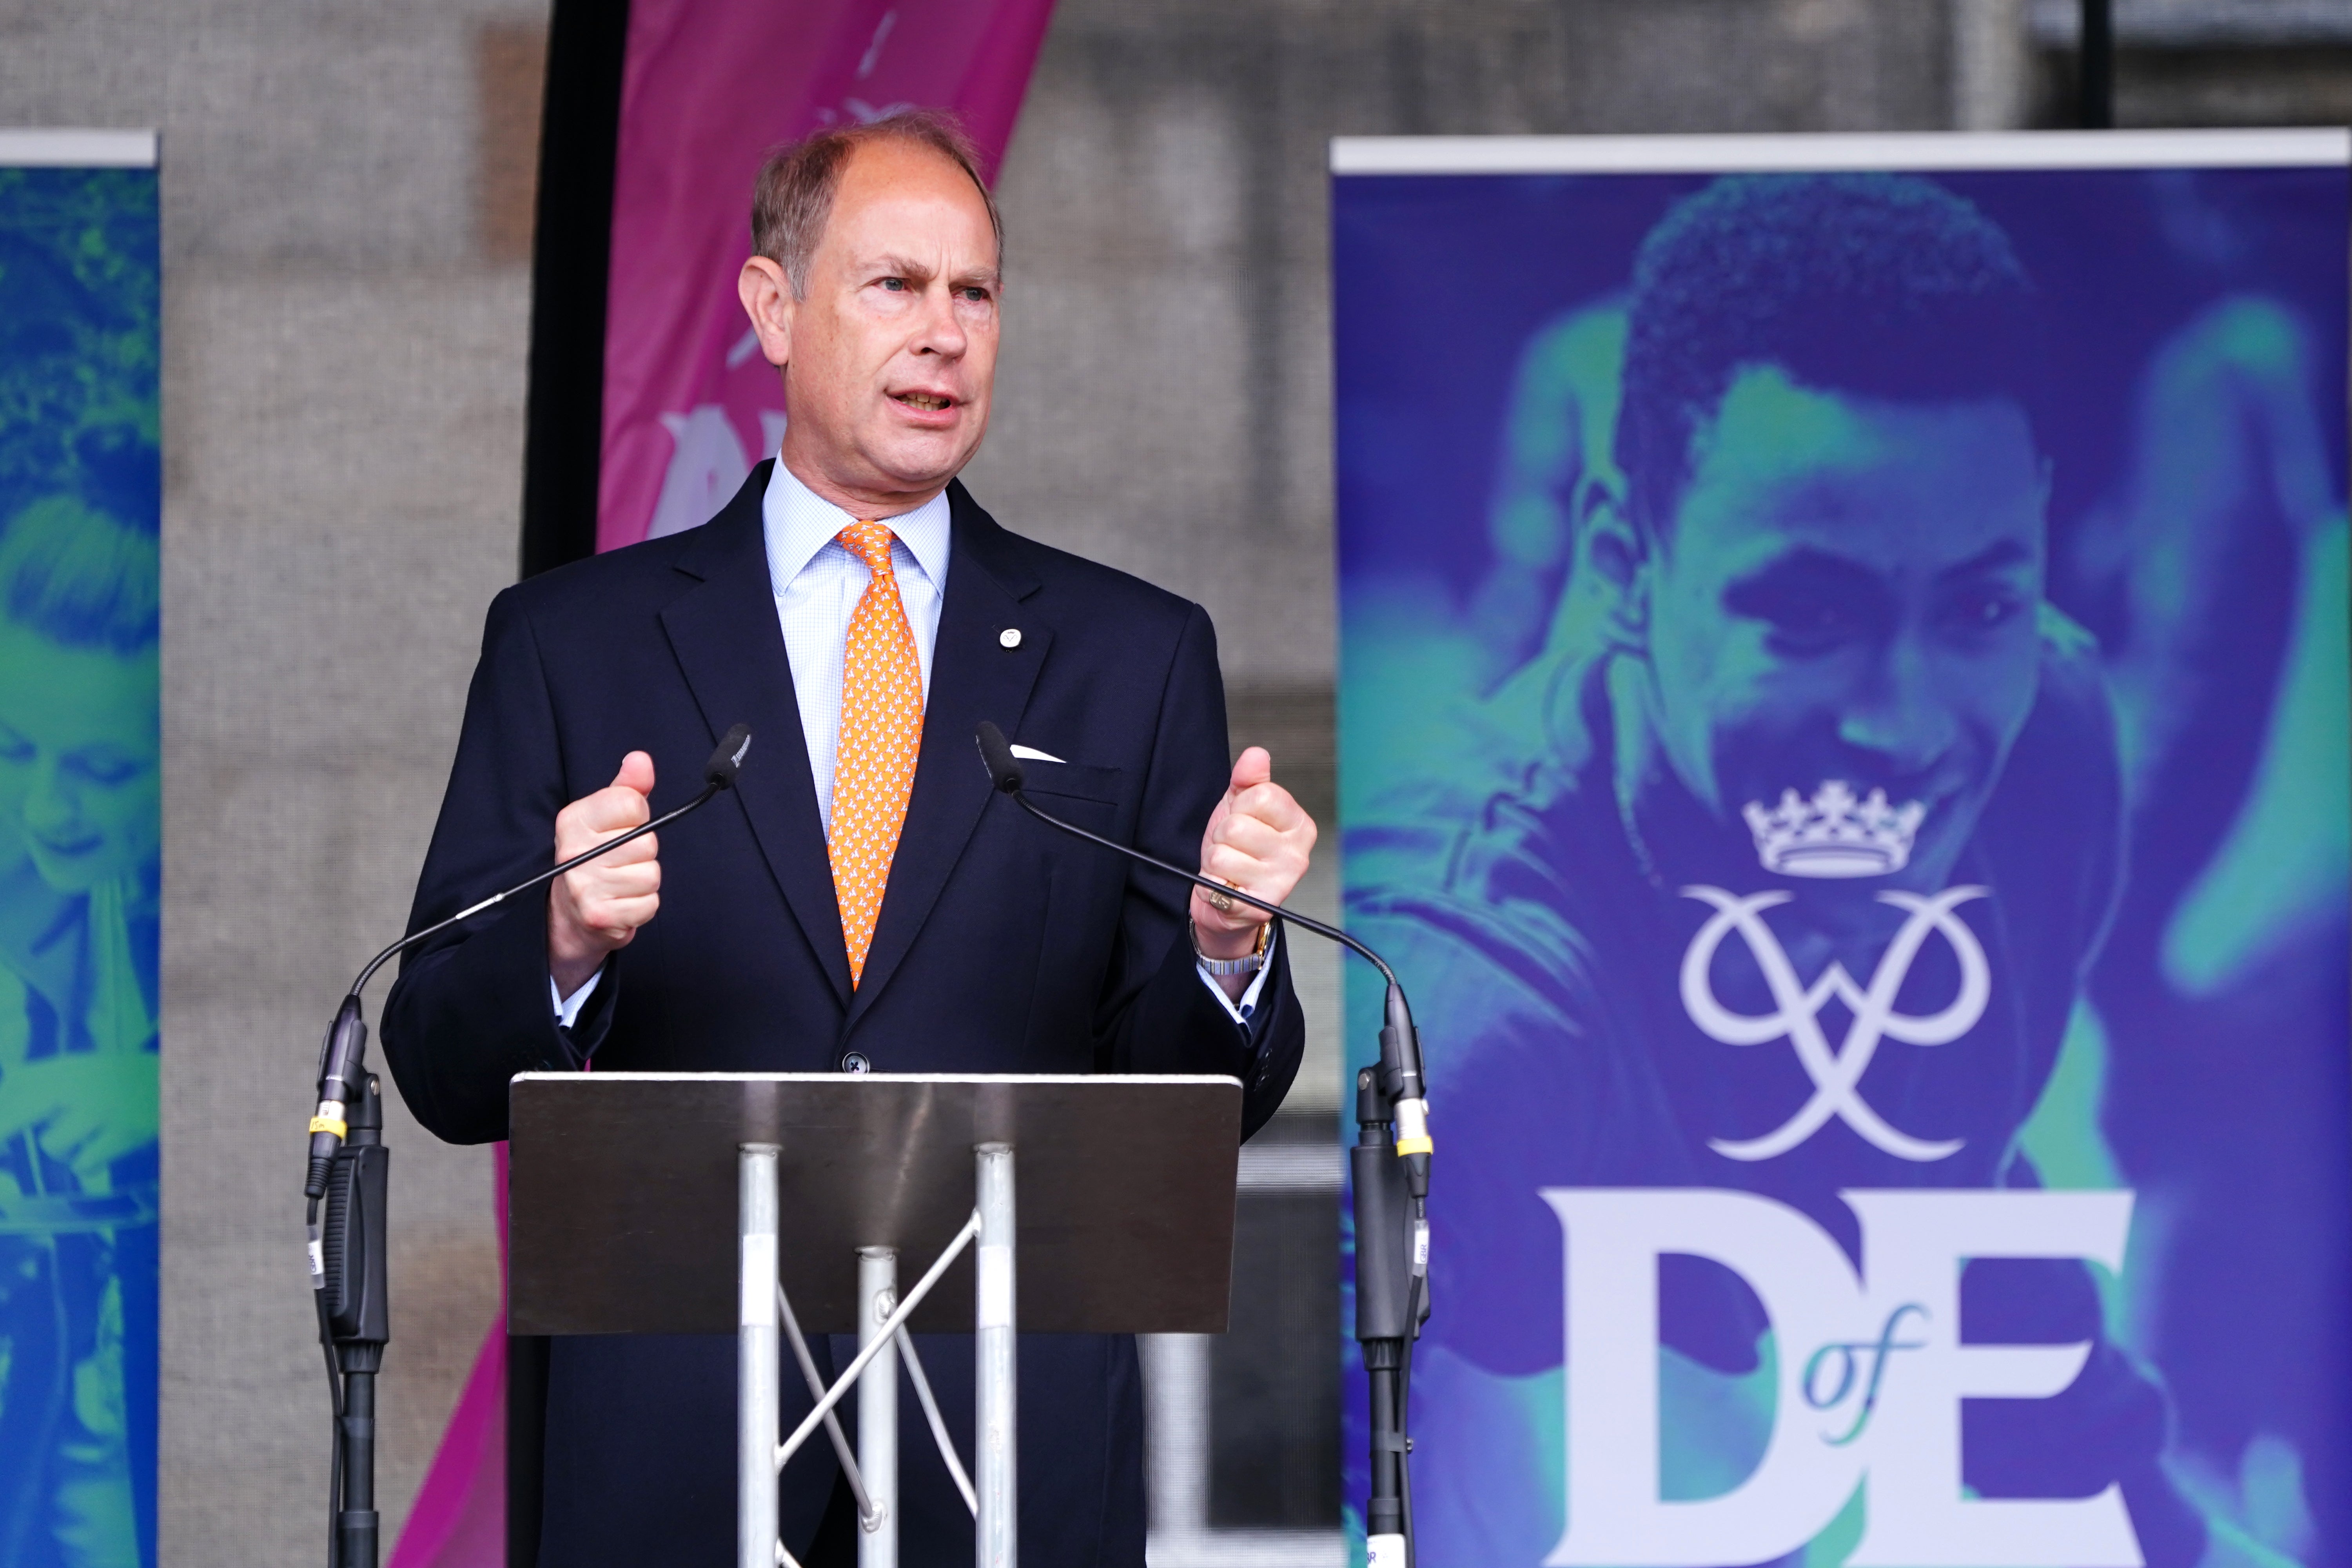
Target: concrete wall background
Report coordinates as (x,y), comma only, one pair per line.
(346,312)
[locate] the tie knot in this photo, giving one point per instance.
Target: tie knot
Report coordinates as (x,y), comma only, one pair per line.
(870,543)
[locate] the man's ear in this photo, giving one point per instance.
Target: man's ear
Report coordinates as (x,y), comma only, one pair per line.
(1616,556)
(767,300)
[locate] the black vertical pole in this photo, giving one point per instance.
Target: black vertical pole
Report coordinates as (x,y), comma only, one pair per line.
(571,252)
(358,1316)
(2096,88)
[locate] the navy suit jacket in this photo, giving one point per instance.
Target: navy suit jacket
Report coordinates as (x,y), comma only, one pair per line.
(1002,947)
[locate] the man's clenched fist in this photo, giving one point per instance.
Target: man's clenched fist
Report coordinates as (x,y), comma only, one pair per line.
(594,910)
(1259,840)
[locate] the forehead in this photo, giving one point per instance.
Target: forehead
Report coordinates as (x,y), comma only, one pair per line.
(907,196)
(63,698)
(1886,484)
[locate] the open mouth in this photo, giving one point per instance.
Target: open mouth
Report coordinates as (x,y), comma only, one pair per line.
(927,402)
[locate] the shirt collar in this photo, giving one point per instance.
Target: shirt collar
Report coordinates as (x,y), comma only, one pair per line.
(798,523)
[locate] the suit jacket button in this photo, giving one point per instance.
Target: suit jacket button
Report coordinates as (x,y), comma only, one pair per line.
(856,1061)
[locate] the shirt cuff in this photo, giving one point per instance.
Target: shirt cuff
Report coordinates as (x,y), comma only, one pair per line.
(1241,1010)
(567,1008)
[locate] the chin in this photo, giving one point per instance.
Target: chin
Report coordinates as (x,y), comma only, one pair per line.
(922,469)
(1935,858)
(74,874)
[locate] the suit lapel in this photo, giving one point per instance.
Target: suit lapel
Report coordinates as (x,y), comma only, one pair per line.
(725,634)
(973,676)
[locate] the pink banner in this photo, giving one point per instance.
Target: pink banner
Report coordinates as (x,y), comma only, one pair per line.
(689,406)
(460,1517)
(711,86)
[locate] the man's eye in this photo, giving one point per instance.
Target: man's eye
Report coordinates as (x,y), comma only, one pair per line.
(1810,612)
(1983,610)
(895,285)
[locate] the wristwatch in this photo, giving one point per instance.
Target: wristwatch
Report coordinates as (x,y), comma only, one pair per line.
(1249,963)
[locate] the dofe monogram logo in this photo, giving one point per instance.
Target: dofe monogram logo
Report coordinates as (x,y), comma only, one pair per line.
(1869,1376)
(1797,1012)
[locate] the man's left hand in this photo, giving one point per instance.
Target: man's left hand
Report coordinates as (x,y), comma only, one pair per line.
(1259,840)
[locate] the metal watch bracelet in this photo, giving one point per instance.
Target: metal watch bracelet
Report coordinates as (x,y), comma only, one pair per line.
(1249,963)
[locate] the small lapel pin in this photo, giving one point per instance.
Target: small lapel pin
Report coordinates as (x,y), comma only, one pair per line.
(1009,638)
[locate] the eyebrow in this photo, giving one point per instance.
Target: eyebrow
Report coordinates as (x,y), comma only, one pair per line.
(901,267)
(2007,554)
(1806,561)
(897,266)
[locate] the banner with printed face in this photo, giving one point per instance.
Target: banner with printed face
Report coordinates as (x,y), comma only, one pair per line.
(80,829)
(1845,737)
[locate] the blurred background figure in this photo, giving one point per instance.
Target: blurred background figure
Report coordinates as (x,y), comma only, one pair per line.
(1556,454)
(79,896)
(2220,549)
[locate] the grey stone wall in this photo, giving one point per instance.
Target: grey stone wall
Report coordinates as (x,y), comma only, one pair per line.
(345,317)
(2204,62)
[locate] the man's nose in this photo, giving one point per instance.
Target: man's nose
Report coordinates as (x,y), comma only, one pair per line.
(1898,718)
(942,332)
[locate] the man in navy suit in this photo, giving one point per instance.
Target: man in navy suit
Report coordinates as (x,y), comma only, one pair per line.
(998,946)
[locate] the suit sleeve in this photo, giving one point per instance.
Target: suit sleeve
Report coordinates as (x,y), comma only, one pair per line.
(470,1009)
(1155,1015)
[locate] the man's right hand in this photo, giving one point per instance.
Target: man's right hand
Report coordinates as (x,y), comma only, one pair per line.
(596,908)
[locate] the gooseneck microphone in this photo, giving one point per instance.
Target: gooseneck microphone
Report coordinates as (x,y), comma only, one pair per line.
(1404,1086)
(1391,1193)
(349,1170)
(346,1040)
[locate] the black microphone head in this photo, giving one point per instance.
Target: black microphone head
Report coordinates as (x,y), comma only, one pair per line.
(728,760)
(1004,768)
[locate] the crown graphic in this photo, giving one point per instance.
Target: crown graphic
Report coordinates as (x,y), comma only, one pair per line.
(1834,834)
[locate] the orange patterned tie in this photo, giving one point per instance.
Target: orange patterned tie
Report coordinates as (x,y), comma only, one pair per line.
(881,733)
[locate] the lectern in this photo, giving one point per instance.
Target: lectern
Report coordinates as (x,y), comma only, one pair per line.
(773,1204)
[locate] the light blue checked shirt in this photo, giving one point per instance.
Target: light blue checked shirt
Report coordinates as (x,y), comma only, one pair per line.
(817,582)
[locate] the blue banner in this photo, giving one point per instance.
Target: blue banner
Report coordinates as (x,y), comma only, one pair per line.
(81,868)
(1843,726)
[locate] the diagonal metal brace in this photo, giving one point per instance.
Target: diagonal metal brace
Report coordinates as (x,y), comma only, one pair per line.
(867,1516)
(881,1341)
(938,1423)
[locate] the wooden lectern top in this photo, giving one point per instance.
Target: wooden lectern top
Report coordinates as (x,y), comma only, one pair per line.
(622,1191)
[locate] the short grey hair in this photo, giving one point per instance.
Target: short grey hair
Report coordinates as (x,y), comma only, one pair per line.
(794,193)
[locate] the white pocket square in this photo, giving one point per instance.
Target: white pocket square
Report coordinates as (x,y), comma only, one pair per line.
(1031,754)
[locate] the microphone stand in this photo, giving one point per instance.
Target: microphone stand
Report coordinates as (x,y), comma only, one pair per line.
(348,1171)
(1389,1171)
